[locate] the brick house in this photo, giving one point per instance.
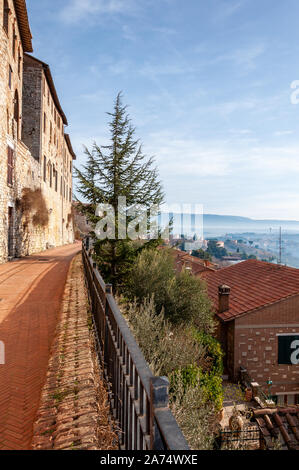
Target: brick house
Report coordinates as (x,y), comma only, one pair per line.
(257,308)
(20,156)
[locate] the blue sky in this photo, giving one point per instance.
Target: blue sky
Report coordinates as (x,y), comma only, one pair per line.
(208,84)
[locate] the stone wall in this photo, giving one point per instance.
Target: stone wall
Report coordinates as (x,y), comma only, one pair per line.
(10,120)
(32,105)
(24,98)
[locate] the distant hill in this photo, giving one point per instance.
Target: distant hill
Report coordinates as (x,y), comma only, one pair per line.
(232,219)
(217,225)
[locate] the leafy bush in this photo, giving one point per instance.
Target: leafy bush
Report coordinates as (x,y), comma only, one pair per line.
(189,376)
(176,352)
(194,377)
(166,348)
(194,414)
(213,349)
(212,389)
(182,297)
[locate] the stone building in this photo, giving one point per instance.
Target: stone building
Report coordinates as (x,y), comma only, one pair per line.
(257,307)
(31,214)
(43,133)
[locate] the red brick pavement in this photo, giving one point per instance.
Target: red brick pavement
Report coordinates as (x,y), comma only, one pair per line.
(31,292)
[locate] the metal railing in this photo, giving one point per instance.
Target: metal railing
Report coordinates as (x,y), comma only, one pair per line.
(138,400)
(249,436)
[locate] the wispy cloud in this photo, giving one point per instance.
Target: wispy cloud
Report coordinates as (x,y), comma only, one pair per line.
(243,57)
(282,133)
(76,10)
(228,9)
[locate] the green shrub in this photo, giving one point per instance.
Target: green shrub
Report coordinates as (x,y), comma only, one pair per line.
(182,297)
(189,375)
(212,389)
(165,347)
(176,352)
(213,349)
(194,414)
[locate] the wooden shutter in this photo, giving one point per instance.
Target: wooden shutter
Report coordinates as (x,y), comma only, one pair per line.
(9,165)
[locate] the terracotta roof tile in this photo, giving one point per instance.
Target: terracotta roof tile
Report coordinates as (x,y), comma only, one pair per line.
(253,285)
(23,23)
(281,424)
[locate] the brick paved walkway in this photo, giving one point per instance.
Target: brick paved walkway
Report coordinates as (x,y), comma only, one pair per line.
(31,291)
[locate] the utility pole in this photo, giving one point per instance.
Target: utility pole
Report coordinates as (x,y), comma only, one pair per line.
(280,247)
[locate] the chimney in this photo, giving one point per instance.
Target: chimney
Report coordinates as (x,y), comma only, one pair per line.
(223,294)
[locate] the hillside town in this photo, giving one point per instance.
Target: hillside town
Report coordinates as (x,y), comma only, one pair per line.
(109,343)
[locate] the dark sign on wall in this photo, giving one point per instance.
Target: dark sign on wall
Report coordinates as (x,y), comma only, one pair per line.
(288,349)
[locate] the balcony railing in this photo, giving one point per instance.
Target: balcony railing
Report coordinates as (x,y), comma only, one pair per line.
(138,400)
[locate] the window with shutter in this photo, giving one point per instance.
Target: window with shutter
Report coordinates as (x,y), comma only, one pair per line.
(9,166)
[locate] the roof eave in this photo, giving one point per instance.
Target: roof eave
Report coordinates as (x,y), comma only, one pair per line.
(69,144)
(23,23)
(255,309)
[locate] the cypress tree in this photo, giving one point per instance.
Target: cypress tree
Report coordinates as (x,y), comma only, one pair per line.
(119,169)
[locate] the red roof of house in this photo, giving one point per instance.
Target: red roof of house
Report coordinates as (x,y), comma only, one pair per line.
(197,265)
(253,285)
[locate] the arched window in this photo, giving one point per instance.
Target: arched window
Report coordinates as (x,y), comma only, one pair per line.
(5,15)
(16,111)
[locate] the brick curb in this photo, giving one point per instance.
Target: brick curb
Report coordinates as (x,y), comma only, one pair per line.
(74,409)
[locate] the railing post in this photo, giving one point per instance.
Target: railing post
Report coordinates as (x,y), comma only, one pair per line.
(159,398)
(87,243)
(108,290)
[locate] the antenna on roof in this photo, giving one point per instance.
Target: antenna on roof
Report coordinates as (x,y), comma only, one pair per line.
(280,246)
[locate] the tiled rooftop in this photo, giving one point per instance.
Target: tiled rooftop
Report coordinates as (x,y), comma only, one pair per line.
(253,285)
(197,265)
(279,425)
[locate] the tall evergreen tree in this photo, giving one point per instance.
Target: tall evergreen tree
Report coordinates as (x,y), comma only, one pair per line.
(119,169)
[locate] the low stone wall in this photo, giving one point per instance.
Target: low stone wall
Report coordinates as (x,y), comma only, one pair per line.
(74,408)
